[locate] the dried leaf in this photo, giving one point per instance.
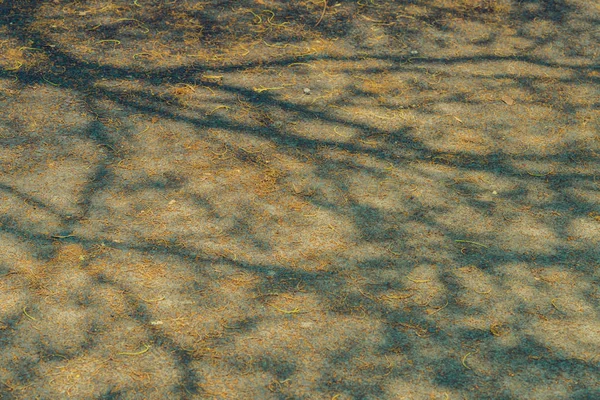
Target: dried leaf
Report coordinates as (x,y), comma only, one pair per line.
(508,100)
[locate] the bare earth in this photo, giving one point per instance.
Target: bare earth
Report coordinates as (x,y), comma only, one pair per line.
(262,199)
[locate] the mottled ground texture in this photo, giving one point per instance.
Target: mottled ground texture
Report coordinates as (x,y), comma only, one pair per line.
(262,199)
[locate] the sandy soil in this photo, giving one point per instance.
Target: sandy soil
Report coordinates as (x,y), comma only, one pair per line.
(299,199)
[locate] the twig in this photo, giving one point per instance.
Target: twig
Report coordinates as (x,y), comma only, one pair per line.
(322,13)
(137,353)
(110,41)
(439,309)
(294,311)
(61,236)
(465,359)
(263,89)
(553,302)
(27,315)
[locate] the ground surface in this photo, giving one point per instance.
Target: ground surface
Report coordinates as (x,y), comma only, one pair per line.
(299,200)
